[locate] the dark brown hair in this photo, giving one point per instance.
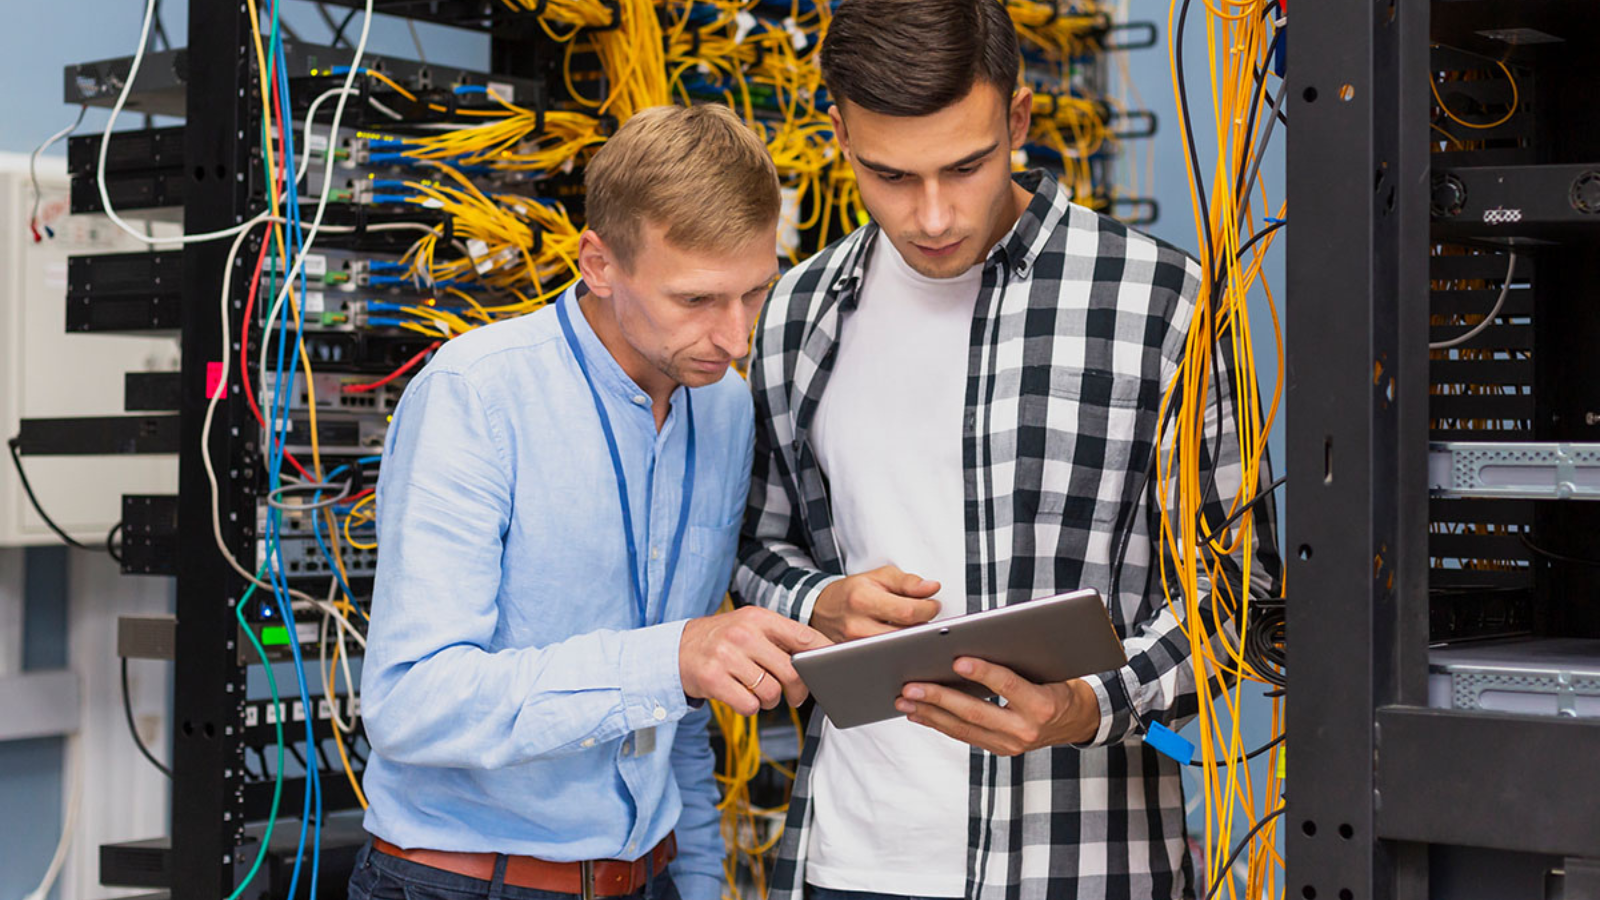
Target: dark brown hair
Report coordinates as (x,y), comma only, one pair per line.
(916,57)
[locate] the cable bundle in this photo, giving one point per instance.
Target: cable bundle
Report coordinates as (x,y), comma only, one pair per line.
(1234,234)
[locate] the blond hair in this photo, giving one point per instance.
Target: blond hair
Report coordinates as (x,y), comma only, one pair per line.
(698,171)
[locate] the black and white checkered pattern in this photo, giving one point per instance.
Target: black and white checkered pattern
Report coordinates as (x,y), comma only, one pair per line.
(1080,326)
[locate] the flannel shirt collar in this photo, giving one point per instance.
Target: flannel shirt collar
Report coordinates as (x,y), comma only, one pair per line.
(1020,247)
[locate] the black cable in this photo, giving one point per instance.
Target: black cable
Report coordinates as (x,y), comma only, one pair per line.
(111,547)
(1188,126)
(127,711)
(1125,534)
(1558,557)
(160,29)
(1251,755)
(327,17)
(1210,534)
(338,33)
(1224,873)
(1266,641)
(15,445)
(1261,234)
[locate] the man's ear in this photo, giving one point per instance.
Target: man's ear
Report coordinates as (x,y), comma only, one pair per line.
(1020,117)
(839,132)
(597,263)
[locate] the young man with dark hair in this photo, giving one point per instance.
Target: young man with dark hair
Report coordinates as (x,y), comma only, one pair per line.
(956,408)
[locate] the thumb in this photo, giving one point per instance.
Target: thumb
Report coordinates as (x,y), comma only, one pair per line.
(909,585)
(793,637)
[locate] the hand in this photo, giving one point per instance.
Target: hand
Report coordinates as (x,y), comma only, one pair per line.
(1035,715)
(741,658)
(874,602)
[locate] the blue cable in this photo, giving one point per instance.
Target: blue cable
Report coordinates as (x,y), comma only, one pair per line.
(322,545)
(283,390)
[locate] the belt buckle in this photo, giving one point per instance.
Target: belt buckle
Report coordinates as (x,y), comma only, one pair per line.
(586,876)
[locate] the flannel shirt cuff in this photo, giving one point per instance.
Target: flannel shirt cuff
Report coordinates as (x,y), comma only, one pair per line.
(807,592)
(1117,715)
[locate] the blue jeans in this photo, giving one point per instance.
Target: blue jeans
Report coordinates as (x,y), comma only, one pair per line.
(379,876)
(821,893)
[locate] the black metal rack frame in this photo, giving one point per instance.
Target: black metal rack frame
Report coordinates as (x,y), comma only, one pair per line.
(1383,787)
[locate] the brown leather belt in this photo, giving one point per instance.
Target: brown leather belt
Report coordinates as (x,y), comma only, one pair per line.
(600,878)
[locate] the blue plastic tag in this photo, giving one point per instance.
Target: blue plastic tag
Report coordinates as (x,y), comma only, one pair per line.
(1168,742)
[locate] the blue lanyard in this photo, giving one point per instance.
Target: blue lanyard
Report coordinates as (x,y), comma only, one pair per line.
(640,596)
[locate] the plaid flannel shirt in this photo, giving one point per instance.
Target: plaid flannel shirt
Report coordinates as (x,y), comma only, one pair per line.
(1079,327)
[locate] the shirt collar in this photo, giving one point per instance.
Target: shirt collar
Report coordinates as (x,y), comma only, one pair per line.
(1020,247)
(1031,233)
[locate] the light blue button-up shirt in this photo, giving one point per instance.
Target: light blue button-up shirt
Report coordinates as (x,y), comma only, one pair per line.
(507,678)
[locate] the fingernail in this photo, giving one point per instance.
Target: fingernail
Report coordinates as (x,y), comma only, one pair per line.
(905,706)
(915,693)
(964,667)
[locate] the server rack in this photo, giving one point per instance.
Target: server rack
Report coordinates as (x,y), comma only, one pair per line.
(1389,797)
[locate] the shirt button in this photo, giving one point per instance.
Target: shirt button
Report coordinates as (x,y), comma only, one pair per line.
(660,713)
(642,400)
(655,552)
(589,742)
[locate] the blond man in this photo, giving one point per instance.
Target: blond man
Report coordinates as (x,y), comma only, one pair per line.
(559,508)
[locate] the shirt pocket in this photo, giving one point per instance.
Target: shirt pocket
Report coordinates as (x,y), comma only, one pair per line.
(709,550)
(1081,440)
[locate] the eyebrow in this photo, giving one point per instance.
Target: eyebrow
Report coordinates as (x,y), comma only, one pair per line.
(967,160)
(690,295)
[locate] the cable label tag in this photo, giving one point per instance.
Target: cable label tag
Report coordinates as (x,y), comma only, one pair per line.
(1169,743)
(504,91)
(315,303)
(744,24)
(316,264)
(479,251)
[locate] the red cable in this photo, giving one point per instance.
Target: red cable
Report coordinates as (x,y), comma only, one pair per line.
(250,303)
(405,367)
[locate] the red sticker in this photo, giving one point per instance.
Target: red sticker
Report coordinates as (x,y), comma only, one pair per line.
(214,384)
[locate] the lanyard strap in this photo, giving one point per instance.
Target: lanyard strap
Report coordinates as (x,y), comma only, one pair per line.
(641,597)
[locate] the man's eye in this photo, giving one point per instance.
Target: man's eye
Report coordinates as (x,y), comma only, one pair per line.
(965,170)
(891,179)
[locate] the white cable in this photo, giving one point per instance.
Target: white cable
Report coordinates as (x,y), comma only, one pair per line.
(122,99)
(322,667)
(327,168)
(1505,288)
(33,160)
(105,145)
(304,599)
(69,822)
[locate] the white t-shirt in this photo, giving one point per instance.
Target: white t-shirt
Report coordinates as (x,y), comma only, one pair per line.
(890,799)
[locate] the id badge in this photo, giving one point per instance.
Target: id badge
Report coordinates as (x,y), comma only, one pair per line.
(644,742)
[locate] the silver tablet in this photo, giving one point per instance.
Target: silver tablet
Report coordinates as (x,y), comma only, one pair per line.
(1051,639)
